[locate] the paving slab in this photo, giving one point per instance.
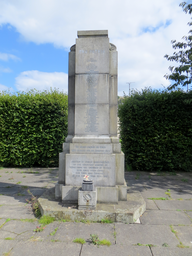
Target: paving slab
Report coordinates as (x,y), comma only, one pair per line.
(144,234)
(151,205)
(2,221)
(171,251)
(19,227)
(6,246)
(67,232)
(114,250)
(4,234)
(171,205)
(184,234)
(47,234)
(157,217)
(189,213)
(16,212)
(45,248)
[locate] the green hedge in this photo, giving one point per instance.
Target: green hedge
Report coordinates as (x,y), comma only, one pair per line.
(33,127)
(156,130)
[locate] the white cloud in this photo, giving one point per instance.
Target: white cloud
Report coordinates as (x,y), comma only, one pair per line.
(5,70)
(6,57)
(41,81)
(5,88)
(140,52)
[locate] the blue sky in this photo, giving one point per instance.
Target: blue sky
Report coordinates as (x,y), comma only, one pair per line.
(35,38)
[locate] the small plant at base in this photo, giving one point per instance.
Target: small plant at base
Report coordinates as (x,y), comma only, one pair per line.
(39,229)
(79,240)
(35,204)
(53,233)
(95,239)
(105,242)
(106,221)
(168,194)
(45,220)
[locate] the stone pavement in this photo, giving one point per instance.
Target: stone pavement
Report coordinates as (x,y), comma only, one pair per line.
(164,229)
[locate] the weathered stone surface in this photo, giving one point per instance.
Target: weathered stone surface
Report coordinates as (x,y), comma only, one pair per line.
(87,199)
(165,217)
(79,148)
(70,193)
(99,168)
(107,194)
(114,250)
(92,55)
(92,119)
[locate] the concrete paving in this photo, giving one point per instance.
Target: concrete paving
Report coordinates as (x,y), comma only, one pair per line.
(165,228)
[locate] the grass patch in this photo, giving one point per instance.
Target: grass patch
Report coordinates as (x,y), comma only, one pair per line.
(19,194)
(39,228)
(158,198)
(9,186)
(95,240)
(150,245)
(9,238)
(53,233)
(168,194)
(181,245)
(106,221)
(19,182)
(79,240)
(28,220)
(184,180)
(137,176)
(7,220)
(165,245)
(105,242)
(45,220)
(7,253)
(24,176)
(24,187)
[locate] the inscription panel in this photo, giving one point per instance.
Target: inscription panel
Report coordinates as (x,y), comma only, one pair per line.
(80,148)
(92,88)
(92,55)
(99,168)
(91,119)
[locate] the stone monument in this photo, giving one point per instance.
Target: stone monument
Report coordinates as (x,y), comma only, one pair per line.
(92,147)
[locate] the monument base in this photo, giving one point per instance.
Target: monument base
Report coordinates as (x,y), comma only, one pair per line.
(104,194)
(125,211)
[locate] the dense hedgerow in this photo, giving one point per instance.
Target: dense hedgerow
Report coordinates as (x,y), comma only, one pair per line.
(156,130)
(33,127)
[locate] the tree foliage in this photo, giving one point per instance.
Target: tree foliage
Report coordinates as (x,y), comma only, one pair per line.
(181,74)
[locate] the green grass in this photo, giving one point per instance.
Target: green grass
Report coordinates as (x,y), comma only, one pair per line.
(45,220)
(55,240)
(165,245)
(168,194)
(28,220)
(19,182)
(106,221)
(53,233)
(9,238)
(158,198)
(184,180)
(181,245)
(24,176)
(150,245)
(79,240)
(105,242)
(19,194)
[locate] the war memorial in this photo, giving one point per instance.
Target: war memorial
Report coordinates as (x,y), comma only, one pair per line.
(91,181)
